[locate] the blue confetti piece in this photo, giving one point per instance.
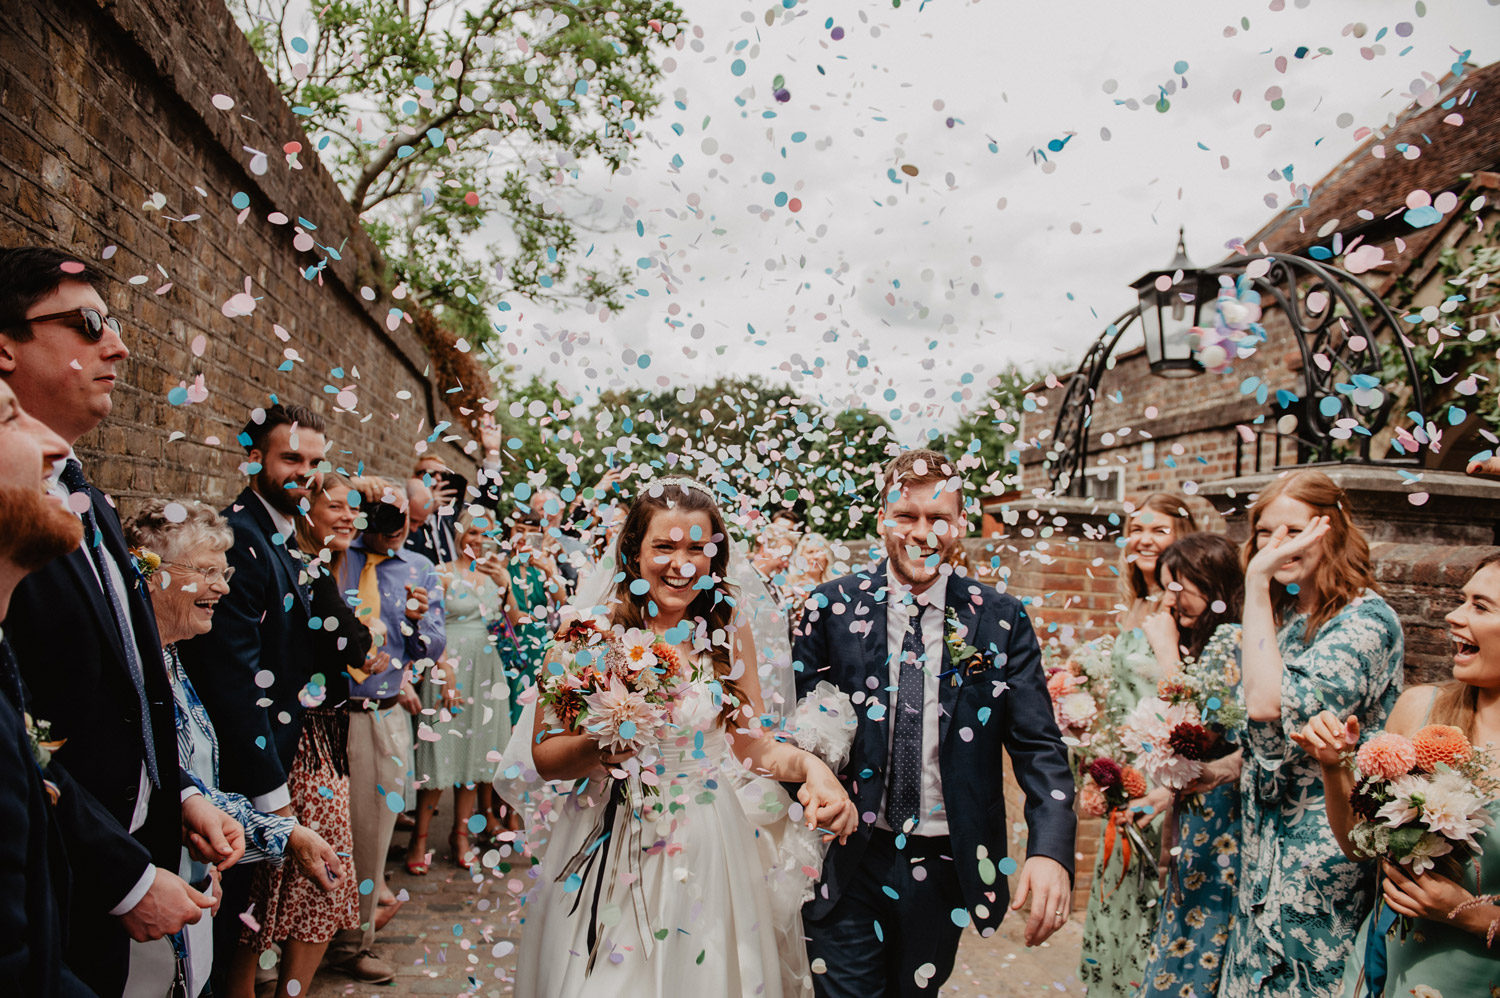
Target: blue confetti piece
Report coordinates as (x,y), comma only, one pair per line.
(366,886)
(1006,866)
(396,802)
(960,917)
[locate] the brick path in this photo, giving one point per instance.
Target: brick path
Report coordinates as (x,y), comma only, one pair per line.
(455,937)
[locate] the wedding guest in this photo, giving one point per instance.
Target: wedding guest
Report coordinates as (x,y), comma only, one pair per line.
(181,546)
(1123,899)
(60,351)
(534,581)
(431,532)
(1451,949)
(810,565)
(548,510)
(260,631)
(34,529)
(399,597)
(1317,635)
(1203,594)
(466,698)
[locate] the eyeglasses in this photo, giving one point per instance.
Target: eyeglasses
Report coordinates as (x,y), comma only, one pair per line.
(210,575)
(87,322)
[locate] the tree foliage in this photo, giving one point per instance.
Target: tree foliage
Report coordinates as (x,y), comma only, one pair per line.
(777,449)
(985,439)
(448,121)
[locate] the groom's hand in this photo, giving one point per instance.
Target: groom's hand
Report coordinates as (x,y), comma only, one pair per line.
(1046,882)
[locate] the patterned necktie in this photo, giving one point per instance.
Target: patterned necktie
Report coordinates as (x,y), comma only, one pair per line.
(73,480)
(904,796)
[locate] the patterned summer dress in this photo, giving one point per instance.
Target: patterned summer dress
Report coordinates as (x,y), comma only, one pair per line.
(1301,900)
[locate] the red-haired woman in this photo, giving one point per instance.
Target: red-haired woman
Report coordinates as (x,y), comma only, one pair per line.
(1123,901)
(1317,635)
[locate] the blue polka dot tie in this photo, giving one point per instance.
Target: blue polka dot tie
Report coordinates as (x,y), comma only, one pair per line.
(904,796)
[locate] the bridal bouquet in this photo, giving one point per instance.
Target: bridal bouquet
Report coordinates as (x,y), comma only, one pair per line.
(1420,798)
(617,686)
(1172,734)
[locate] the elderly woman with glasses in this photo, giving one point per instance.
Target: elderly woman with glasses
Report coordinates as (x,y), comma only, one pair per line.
(179,548)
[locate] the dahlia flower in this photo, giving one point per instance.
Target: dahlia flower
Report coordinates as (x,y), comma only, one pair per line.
(621,719)
(1440,744)
(1387,756)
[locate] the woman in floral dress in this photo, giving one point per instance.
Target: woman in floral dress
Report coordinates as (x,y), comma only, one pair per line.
(1122,898)
(1203,592)
(1316,636)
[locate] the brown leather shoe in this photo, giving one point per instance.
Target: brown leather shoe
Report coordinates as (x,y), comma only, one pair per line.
(367,968)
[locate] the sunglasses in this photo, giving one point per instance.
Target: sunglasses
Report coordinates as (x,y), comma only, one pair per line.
(85,321)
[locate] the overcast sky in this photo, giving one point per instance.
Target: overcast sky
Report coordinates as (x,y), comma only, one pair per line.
(980,252)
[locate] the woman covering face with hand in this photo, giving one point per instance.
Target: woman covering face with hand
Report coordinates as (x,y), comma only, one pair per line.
(1317,635)
(1118,926)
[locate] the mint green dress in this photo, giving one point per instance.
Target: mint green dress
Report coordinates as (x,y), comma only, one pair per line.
(460,748)
(1123,903)
(1447,959)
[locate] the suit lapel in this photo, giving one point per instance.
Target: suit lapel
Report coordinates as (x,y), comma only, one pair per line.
(949,682)
(80,564)
(877,666)
(137,600)
(289,569)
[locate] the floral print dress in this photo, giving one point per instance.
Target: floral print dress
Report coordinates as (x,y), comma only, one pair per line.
(1123,900)
(1198,902)
(1301,900)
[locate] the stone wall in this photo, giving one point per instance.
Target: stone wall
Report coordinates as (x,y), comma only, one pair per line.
(110,136)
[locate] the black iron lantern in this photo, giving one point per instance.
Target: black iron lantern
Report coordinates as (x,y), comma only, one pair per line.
(1169,310)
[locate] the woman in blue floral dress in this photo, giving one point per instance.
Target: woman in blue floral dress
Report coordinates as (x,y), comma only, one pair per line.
(1203,591)
(1316,636)
(1122,898)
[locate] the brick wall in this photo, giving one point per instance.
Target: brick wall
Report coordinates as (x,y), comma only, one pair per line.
(103,105)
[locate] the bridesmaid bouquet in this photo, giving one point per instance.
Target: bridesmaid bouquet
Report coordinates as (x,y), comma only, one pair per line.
(1078,689)
(1421,798)
(1188,722)
(617,686)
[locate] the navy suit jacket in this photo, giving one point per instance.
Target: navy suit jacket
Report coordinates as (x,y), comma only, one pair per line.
(73,663)
(34,878)
(261,626)
(995,701)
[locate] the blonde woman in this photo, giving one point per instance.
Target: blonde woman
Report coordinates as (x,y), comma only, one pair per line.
(1123,899)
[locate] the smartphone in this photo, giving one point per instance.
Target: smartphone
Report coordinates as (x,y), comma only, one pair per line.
(534,539)
(454,481)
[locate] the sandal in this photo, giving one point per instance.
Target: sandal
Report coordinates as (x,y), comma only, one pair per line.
(461,857)
(417,867)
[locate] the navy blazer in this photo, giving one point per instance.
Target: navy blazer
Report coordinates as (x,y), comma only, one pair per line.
(251,667)
(34,878)
(73,663)
(995,701)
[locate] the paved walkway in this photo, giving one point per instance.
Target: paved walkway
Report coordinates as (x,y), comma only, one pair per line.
(455,936)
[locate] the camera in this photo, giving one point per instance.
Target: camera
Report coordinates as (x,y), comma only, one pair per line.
(383,518)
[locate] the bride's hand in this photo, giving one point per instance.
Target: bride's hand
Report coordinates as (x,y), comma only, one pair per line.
(825,802)
(609,763)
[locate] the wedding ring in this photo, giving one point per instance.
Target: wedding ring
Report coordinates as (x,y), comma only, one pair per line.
(1059,913)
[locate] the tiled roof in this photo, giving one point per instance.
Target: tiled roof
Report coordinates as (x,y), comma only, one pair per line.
(1380,184)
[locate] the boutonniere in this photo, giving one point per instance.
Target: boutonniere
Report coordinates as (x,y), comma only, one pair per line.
(39,735)
(147,563)
(966,658)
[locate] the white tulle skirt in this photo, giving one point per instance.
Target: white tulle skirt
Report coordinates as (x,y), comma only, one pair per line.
(702,898)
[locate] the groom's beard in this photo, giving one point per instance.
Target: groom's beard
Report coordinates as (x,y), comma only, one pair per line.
(35,528)
(911,573)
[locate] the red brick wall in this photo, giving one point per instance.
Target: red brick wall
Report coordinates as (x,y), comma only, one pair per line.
(104,104)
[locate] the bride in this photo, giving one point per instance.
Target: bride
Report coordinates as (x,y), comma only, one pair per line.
(668,887)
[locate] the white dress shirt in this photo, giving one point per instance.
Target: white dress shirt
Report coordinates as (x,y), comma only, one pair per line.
(932,816)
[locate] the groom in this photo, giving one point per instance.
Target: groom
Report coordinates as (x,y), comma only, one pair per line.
(944,673)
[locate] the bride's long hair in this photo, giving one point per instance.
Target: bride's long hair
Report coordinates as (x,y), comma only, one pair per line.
(713,608)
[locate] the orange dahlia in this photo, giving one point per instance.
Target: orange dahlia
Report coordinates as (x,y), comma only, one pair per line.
(1091,801)
(1388,756)
(667,658)
(1132,782)
(1440,743)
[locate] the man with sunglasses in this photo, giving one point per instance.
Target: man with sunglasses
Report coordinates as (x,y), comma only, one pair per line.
(85,639)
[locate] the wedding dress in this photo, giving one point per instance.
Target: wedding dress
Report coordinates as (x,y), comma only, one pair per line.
(685,903)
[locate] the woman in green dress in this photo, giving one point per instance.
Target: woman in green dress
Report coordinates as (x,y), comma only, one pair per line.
(1122,898)
(1316,635)
(1445,952)
(465,720)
